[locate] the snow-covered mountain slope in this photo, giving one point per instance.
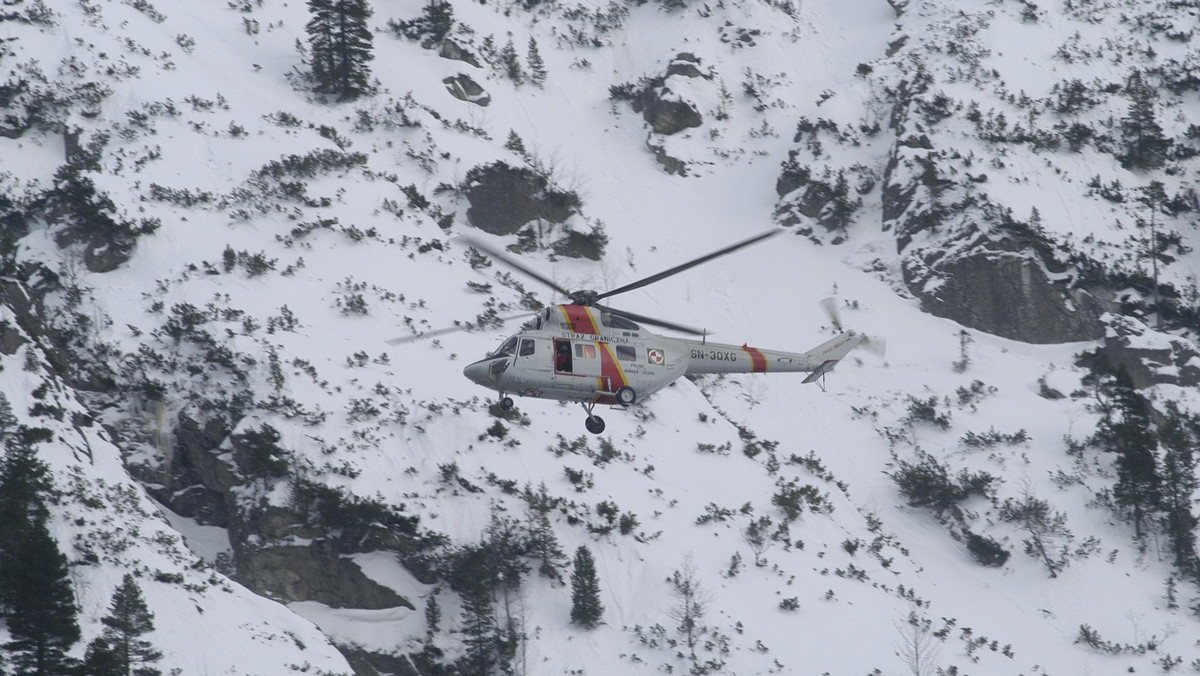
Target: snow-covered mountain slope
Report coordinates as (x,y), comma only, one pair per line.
(280,240)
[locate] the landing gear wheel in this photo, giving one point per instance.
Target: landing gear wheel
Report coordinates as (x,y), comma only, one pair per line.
(506,403)
(626,396)
(594,424)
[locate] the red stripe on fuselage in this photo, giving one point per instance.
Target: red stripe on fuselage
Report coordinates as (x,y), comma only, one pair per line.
(610,368)
(758,363)
(579,319)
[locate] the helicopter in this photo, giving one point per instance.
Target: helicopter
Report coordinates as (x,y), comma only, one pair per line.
(586,352)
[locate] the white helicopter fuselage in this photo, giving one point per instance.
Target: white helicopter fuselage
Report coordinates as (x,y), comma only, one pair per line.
(576,353)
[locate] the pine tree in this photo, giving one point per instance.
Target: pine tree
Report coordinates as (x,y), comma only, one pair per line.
(586,608)
(1145,147)
(39,603)
(537,67)
(436,20)
(1126,430)
(340,43)
(691,605)
(8,421)
(127,620)
(510,62)
(24,478)
(101,660)
(1046,528)
(543,544)
(433,616)
(841,207)
(516,144)
(1180,436)
(479,630)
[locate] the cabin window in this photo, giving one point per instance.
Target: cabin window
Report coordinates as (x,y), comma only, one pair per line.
(626,353)
(527,347)
(585,351)
(562,356)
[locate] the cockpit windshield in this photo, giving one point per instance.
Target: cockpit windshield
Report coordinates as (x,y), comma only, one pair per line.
(506,349)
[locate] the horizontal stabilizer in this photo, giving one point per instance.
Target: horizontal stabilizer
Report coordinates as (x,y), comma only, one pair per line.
(825,367)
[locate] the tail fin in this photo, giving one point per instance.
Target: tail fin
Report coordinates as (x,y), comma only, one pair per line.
(832,351)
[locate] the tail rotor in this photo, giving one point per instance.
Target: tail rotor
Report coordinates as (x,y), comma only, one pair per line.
(873,344)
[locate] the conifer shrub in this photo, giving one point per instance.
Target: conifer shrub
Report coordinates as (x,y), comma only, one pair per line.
(986,550)
(586,608)
(258,454)
(928,483)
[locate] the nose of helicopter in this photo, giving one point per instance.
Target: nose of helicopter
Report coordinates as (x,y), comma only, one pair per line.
(477,372)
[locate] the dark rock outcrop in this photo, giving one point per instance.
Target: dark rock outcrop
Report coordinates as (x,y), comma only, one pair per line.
(464,88)
(504,198)
(455,52)
(1150,357)
(967,259)
(999,289)
(278,550)
(663,109)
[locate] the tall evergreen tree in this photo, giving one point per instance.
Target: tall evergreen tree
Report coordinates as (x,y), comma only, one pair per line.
(436,20)
(543,544)
(340,43)
(1145,146)
(39,604)
(510,62)
(121,643)
(1126,430)
(479,630)
(537,67)
(475,576)
(586,608)
(24,479)
(1180,436)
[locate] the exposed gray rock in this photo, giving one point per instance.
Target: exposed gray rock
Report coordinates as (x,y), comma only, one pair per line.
(1006,292)
(668,116)
(456,52)
(504,198)
(1150,357)
(969,260)
(106,256)
(664,110)
(14,296)
(11,339)
(685,64)
(462,87)
(313,572)
(277,551)
(671,165)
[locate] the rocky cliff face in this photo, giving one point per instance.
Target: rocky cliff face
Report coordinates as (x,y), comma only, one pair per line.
(976,168)
(286,552)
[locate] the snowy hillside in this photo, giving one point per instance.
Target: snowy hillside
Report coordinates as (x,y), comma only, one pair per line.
(204,262)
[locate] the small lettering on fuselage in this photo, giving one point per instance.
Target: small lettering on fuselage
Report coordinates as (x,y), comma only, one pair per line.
(591,337)
(714,355)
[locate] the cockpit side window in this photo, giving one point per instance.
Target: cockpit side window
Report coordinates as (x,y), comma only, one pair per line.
(505,350)
(618,322)
(528,346)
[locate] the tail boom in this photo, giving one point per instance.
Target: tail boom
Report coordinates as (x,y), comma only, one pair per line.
(706,357)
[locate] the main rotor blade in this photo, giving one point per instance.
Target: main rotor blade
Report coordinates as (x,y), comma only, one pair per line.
(642,319)
(690,264)
(512,263)
(465,326)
